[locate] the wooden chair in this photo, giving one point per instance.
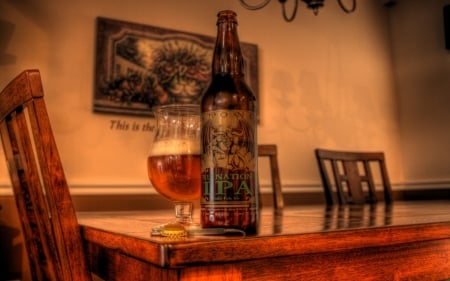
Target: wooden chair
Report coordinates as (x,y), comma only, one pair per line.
(49,223)
(270,150)
(352,173)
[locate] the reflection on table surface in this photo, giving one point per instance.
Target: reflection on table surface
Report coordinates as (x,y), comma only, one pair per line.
(320,218)
(292,220)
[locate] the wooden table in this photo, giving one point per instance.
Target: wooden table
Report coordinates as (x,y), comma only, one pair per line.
(407,240)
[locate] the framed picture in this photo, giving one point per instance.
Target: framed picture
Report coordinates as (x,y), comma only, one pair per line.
(140,66)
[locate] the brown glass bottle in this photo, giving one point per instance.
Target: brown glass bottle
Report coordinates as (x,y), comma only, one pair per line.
(229,142)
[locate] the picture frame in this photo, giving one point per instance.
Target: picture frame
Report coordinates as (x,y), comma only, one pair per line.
(139,66)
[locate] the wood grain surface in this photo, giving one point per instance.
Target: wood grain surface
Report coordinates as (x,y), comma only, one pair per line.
(401,241)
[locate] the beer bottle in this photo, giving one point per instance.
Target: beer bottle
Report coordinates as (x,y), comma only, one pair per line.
(229,144)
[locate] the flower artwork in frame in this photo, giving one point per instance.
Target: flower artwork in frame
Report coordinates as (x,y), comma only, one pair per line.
(140,66)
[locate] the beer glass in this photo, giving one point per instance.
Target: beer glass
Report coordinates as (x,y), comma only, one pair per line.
(174,163)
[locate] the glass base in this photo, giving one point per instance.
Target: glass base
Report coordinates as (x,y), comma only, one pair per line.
(183,225)
(179,227)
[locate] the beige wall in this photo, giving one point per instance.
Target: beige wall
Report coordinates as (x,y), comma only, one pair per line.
(325,81)
(422,66)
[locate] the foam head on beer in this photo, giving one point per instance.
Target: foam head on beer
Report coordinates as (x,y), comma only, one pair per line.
(175,147)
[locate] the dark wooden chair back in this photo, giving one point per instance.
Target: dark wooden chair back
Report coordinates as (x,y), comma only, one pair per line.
(49,223)
(270,151)
(353,176)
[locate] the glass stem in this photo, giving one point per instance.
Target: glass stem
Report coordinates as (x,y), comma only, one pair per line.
(183,212)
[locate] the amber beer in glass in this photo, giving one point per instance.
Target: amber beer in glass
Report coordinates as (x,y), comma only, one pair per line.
(174,169)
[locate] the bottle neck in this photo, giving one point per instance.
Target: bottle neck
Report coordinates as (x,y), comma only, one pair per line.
(227,58)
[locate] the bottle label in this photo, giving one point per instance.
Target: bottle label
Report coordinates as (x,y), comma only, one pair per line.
(229,159)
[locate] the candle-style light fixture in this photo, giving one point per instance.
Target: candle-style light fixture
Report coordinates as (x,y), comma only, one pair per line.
(314,5)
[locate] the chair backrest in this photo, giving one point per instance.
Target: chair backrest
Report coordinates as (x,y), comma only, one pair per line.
(49,223)
(353,176)
(270,150)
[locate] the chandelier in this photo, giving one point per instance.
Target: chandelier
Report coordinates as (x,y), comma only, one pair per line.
(314,5)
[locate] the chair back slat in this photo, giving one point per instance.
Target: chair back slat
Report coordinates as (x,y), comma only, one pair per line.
(49,223)
(351,173)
